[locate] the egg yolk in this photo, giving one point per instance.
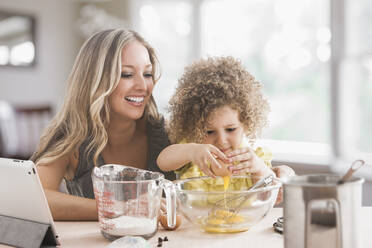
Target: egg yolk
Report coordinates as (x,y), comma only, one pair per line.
(226,181)
(214,223)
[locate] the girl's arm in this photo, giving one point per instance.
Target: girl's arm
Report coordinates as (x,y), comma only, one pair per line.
(175,156)
(64,206)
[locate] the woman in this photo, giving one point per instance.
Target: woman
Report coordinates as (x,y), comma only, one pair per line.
(108,116)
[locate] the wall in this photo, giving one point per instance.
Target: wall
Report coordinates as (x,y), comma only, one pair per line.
(57,45)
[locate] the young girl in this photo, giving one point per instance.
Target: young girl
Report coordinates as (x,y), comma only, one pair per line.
(217,112)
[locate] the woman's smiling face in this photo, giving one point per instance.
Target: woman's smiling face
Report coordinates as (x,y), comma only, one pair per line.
(224,129)
(130,97)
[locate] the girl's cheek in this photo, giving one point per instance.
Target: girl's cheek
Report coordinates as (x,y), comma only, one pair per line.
(207,141)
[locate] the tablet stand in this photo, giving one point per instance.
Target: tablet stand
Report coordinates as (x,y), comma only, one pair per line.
(25,233)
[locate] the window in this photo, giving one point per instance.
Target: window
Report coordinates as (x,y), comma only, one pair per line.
(288,52)
(167,26)
(17,39)
(355,78)
(286,45)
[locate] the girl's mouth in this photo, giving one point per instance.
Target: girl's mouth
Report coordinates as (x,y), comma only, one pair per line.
(225,150)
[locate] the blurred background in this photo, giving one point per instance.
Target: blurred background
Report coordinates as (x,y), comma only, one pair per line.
(313,57)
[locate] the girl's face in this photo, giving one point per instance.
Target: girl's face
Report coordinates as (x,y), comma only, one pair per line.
(130,97)
(224,129)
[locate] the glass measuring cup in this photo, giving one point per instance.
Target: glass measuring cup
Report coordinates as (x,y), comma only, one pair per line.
(128,200)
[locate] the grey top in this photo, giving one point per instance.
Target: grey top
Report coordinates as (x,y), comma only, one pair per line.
(81,184)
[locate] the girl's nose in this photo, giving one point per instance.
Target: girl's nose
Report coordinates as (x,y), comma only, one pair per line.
(221,139)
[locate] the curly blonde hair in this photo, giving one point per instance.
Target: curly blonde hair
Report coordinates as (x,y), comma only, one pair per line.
(207,85)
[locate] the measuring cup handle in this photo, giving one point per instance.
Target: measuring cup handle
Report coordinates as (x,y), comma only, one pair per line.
(171,203)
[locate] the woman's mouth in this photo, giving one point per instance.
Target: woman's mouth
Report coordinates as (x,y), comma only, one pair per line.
(135,100)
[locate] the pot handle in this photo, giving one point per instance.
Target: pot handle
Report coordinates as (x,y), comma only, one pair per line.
(321,215)
(171,203)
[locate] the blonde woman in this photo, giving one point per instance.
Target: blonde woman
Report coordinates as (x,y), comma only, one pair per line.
(108,116)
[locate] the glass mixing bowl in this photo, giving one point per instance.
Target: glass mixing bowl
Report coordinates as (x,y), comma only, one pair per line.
(208,204)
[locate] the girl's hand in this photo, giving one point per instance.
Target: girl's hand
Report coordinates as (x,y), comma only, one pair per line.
(248,161)
(282,172)
(205,156)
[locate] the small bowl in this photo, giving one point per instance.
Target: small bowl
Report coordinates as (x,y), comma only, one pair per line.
(239,209)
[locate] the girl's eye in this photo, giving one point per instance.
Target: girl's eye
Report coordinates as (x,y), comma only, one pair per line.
(231,129)
(210,131)
(148,75)
(126,75)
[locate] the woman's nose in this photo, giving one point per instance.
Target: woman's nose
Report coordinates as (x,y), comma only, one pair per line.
(140,83)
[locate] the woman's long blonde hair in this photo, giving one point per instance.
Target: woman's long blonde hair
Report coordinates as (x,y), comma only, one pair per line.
(84,116)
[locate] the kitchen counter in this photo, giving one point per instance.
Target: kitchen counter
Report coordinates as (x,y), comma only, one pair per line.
(87,234)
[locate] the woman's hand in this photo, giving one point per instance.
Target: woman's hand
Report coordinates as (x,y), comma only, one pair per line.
(245,160)
(283,172)
(206,157)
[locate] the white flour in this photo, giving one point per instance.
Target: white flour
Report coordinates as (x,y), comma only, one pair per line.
(128,225)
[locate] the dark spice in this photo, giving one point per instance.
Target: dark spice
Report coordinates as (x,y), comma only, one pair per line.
(160,241)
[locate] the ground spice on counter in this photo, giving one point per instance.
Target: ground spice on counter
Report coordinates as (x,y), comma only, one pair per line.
(160,241)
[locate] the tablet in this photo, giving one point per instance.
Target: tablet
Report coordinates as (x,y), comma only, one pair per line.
(21,193)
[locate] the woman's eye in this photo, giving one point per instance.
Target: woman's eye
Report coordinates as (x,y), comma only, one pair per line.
(210,131)
(126,75)
(148,75)
(231,129)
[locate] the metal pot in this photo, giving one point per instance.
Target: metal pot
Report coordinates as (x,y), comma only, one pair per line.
(319,212)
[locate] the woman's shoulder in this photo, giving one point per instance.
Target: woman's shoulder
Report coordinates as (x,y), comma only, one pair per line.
(156,129)
(156,123)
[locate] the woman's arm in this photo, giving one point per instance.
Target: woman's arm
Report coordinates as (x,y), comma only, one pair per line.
(70,207)
(64,206)
(175,156)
